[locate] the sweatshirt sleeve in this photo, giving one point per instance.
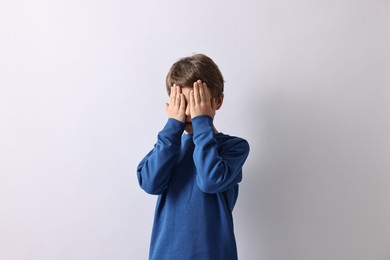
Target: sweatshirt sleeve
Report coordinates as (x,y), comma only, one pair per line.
(154,171)
(218,169)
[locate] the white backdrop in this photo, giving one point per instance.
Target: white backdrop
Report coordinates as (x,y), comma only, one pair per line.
(81,101)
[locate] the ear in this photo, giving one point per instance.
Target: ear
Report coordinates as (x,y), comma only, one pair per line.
(219,102)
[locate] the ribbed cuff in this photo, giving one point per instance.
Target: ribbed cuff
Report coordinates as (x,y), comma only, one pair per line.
(173,127)
(202,124)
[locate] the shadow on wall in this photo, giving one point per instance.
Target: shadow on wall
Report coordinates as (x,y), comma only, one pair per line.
(314,169)
(271,192)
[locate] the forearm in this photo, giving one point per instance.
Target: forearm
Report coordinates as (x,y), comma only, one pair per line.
(217,169)
(154,170)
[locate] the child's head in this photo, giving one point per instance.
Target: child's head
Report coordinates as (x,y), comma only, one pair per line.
(187,70)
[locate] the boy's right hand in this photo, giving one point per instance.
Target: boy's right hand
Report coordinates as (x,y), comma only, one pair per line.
(177,104)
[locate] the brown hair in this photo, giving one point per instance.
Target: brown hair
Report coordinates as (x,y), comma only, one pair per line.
(187,70)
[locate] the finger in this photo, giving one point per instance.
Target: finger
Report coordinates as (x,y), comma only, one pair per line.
(182,103)
(196,93)
(178,92)
(192,100)
(201,90)
(207,92)
(213,104)
(173,94)
(176,96)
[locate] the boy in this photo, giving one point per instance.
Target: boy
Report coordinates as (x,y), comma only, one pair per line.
(195,174)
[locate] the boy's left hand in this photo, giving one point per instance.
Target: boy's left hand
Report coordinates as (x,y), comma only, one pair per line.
(201,100)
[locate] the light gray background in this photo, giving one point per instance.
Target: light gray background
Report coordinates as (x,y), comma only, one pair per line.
(82,98)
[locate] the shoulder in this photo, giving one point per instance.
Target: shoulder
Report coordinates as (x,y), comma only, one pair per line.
(228,142)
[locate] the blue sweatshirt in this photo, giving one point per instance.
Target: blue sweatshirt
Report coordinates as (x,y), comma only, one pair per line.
(196,177)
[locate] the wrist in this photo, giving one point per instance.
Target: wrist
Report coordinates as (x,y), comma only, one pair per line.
(174,126)
(202,123)
(180,119)
(193,115)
